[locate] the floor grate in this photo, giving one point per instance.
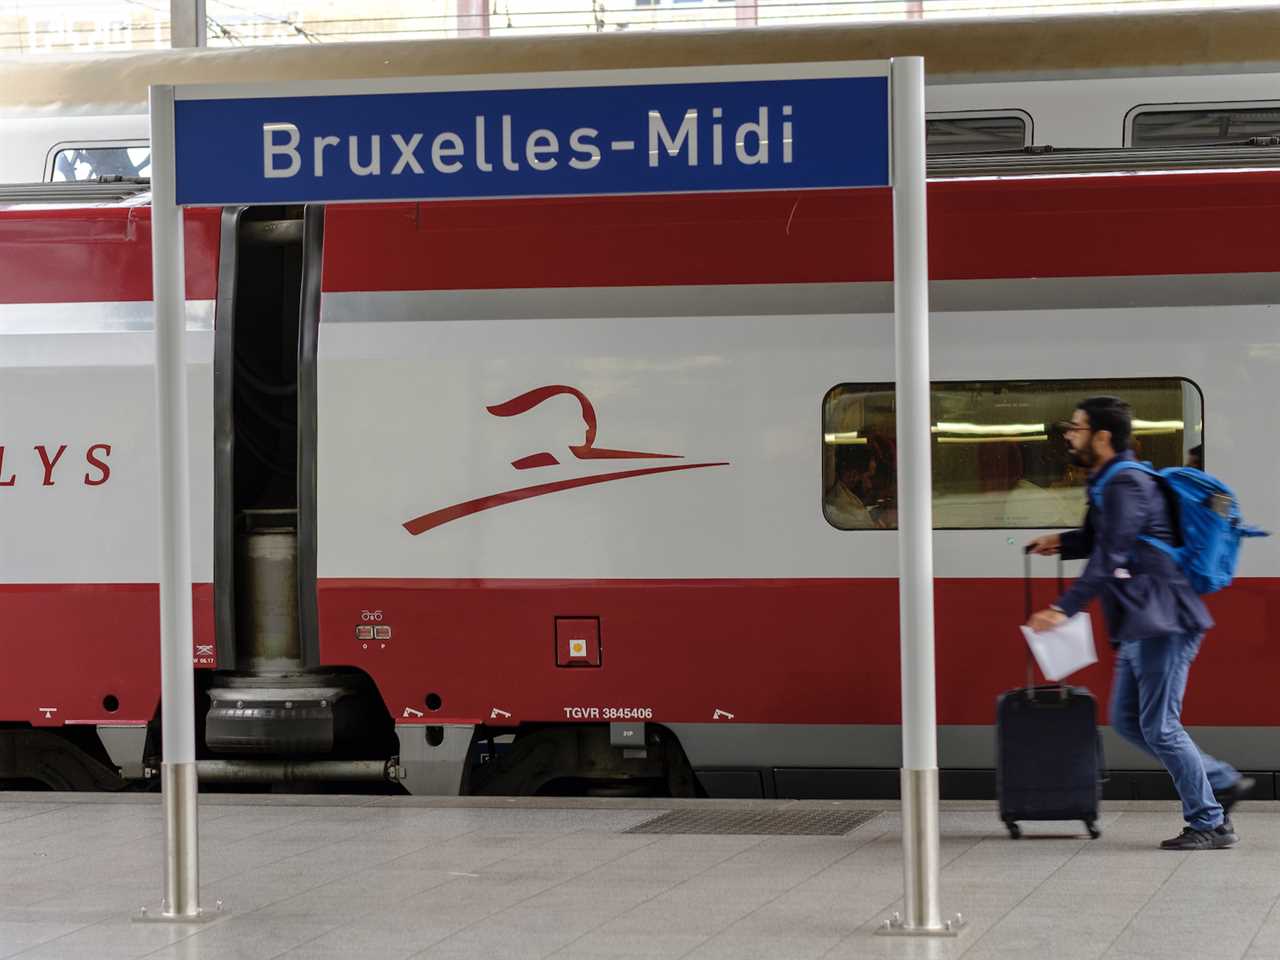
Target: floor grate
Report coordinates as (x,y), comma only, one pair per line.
(783,823)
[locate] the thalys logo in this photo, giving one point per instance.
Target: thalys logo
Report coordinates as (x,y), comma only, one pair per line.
(50,462)
(587,450)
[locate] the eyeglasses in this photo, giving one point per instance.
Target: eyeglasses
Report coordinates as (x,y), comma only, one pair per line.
(1066,426)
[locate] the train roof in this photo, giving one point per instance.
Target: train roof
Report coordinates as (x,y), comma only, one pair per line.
(75,195)
(1096,45)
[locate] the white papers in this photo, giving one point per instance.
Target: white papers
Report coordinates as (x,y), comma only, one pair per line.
(1065,649)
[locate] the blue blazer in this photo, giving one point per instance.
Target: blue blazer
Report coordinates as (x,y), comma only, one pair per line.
(1143,592)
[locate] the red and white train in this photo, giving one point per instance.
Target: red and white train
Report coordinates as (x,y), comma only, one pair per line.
(547,495)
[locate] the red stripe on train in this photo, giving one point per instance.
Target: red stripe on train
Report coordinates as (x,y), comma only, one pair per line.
(1081,227)
(68,647)
(767,651)
(1093,226)
(102,254)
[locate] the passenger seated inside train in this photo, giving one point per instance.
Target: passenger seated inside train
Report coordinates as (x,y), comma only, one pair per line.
(862,495)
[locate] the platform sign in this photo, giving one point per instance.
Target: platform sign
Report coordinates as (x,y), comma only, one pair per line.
(565,134)
(788,127)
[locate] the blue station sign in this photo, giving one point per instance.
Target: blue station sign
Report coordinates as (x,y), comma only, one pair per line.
(798,126)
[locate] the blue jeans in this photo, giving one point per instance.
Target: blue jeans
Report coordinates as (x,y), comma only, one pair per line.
(1146,709)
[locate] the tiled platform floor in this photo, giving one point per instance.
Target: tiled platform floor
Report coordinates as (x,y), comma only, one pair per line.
(391,878)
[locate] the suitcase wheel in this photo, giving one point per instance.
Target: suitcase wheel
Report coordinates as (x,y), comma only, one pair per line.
(1015,831)
(1094,830)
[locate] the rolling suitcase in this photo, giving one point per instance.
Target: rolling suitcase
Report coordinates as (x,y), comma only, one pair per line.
(1048,751)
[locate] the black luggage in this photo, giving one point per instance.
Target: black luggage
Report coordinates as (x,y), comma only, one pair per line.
(1048,752)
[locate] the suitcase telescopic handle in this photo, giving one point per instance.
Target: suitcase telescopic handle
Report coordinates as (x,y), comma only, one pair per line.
(1029,604)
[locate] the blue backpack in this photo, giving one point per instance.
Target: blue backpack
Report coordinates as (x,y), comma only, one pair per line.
(1206,516)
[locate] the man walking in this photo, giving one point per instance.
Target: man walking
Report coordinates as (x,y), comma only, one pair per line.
(1155,619)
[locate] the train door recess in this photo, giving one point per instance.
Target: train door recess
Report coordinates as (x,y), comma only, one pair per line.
(272,697)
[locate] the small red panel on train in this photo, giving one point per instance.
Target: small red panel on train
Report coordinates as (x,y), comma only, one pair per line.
(577,641)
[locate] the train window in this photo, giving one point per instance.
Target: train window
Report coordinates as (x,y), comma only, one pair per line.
(94,161)
(1203,124)
(999,460)
(968,132)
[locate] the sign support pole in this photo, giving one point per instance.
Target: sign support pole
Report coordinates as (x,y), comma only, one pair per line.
(919,775)
(179,783)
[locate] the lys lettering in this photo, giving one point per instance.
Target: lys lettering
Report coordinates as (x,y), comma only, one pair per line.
(49,463)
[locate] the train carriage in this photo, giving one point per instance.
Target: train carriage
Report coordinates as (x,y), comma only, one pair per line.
(598,495)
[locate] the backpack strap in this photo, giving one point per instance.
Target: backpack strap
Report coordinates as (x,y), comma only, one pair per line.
(1168,549)
(1095,493)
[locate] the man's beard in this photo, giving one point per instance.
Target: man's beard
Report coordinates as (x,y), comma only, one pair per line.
(1080,458)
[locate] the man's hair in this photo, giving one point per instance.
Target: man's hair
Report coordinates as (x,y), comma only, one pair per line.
(1110,413)
(854,456)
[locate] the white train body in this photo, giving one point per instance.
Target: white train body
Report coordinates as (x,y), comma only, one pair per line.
(541,468)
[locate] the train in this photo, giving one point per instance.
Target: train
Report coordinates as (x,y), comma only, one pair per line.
(597,495)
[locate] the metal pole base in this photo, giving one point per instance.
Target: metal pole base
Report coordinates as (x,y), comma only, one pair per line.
(895,926)
(179,787)
(920,861)
(201,916)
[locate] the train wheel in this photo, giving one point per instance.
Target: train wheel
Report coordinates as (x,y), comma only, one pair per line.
(53,759)
(580,761)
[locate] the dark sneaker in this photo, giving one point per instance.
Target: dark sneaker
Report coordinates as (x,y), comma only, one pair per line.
(1235,793)
(1192,839)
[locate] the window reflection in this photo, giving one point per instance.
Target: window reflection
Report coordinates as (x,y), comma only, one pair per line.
(999,458)
(94,163)
(993,133)
(1184,128)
